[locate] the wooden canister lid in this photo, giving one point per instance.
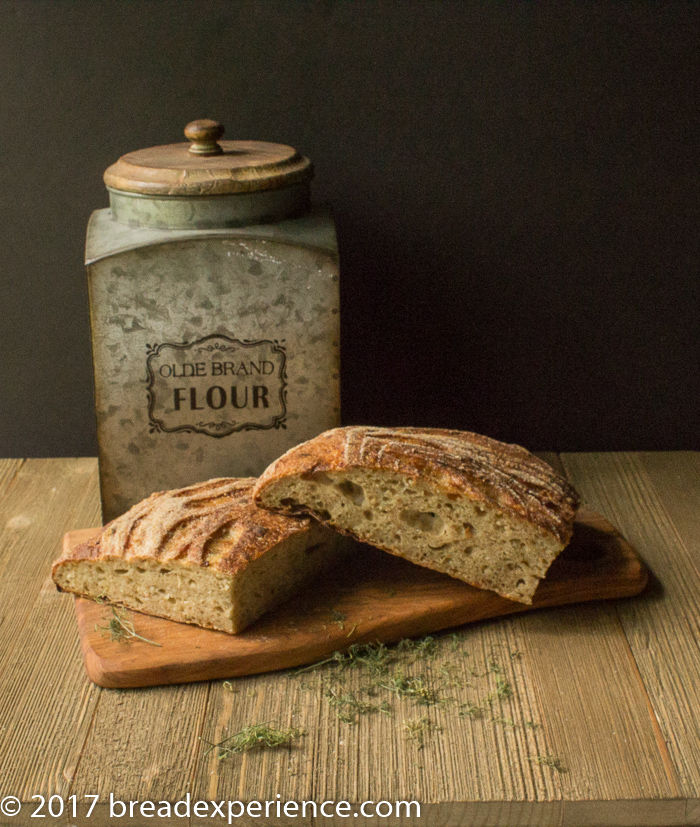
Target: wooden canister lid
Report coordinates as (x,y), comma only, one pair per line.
(208,166)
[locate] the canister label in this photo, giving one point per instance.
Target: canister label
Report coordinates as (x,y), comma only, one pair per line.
(216,385)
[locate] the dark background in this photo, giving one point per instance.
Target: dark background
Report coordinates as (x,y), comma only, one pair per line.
(516,190)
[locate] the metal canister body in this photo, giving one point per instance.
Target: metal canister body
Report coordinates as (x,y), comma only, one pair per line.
(215,349)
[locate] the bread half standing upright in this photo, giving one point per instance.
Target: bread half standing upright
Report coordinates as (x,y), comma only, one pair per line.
(204,554)
(477,509)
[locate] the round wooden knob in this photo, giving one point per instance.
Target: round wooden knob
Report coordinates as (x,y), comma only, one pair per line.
(204,135)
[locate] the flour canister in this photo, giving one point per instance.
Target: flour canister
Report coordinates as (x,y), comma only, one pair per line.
(213,285)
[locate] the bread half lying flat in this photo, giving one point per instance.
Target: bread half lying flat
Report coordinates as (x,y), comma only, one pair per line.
(479,510)
(203,554)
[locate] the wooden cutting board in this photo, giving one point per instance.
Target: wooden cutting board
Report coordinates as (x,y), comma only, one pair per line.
(378,598)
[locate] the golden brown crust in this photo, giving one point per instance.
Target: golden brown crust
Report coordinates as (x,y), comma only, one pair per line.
(212,524)
(503,475)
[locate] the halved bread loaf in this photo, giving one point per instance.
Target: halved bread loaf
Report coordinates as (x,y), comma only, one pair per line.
(477,509)
(203,554)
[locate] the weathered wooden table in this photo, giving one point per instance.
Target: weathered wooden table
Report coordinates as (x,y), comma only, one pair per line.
(598,722)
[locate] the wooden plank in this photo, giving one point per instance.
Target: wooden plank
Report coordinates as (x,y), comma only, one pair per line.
(46,702)
(46,498)
(8,470)
(572,675)
(381,597)
(645,812)
(585,677)
(655,500)
(475,770)
(692,813)
(142,746)
(471,769)
(597,716)
(676,480)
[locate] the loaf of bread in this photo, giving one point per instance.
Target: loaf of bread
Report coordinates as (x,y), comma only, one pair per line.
(485,512)
(203,554)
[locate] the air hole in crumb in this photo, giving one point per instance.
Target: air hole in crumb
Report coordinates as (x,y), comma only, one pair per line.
(427,521)
(468,529)
(165,571)
(289,502)
(355,493)
(318,476)
(324,515)
(367,514)
(519,584)
(140,570)
(120,571)
(171,600)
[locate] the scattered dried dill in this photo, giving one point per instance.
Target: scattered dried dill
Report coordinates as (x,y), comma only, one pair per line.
(335,658)
(261,736)
(549,761)
(417,729)
(375,656)
(388,669)
(506,722)
(414,688)
(456,641)
(450,680)
(120,627)
(339,618)
(425,647)
(470,710)
(502,690)
(349,707)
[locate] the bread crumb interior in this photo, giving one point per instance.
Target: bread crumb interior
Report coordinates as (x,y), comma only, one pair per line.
(188,593)
(446,531)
